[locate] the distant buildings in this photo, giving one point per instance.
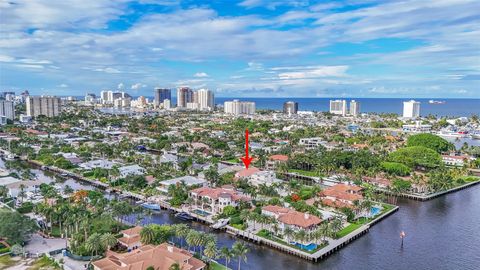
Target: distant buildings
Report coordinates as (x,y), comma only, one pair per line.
(110,97)
(354,108)
(7,109)
(48,106)
(290,107)
(417,127)
(206,99)
(237,107)
(162,94)
(338,107)
(184,96)
(90,98)
(411,109)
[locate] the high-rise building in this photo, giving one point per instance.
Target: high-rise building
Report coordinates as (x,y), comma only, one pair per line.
(411,109)
(110,97)
(104,97)
(184,96)
(290,107)
(90,98)
(237,107)
(338,107)
(7,109)
(354,108)
(206,99)
(162,94)
(48,106)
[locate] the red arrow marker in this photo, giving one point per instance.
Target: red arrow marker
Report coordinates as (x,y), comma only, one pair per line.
(246,159)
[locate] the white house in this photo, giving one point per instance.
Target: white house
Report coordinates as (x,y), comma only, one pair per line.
(189,181)
(131,170)
(213,200)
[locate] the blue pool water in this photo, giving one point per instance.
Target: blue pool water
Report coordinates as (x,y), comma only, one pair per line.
(308,247)
(201,212)
(375,211)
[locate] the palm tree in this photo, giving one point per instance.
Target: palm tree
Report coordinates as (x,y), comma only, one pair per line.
(240,250)
(181,231)
(147,235)
(94,243)
(288,232)
(227,254)
(108,240)
(211,251)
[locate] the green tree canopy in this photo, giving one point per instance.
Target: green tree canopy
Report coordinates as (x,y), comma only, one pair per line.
(15,227)
(416,156)
(430,141)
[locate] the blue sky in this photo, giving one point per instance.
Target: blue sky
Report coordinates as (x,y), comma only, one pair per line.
(251,48)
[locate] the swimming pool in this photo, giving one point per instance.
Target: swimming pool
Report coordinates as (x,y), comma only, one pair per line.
(308,247)
(201,212)
(375,211)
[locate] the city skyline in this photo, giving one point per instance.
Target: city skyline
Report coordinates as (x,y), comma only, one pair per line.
(252,48)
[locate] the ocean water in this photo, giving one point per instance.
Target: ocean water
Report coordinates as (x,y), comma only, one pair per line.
(451,107)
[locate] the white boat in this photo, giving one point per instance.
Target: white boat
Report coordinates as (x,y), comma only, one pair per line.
(476,136)
(452,134)
(220,223)
(151,206)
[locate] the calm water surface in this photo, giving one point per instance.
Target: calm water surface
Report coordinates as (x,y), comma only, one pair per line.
(443,233)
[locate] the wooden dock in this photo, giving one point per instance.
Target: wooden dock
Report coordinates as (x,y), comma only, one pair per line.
(333,246)
(426,197)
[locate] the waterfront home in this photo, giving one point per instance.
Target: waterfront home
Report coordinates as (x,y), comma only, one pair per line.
(169,158)
(378,181)
(458,161)
(274,161)
(341,195)
(160,257)
(131,237)
(267,178)
(289,218)
(189,181)
(246,173)
(99,163)
(131,170)
(214,200)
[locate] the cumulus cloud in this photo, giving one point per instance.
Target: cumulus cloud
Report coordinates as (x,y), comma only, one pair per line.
(121,86)
(200,75)
(137,86)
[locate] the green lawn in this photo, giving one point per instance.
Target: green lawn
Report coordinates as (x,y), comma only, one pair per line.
(267,235)
(302,172)
(217,266)
(355,225)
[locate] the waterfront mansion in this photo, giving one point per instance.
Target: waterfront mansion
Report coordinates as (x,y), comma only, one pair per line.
(289,218)
(341,195)
(213,200)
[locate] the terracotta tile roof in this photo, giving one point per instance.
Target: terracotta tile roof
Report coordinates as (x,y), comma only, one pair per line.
(278,157)
(292,217)
(127,241)
(342,192)
(132,231)
(161,257)
(246,172)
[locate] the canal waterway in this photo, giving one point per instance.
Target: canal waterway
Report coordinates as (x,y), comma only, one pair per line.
(443,233)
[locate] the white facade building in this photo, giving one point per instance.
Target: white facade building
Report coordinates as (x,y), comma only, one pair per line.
(338,107)
(43,105)
(206,99)
(354,108)
(411,109)
(7,109)
(237,107)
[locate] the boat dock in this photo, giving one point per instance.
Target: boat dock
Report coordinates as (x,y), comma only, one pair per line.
(426,197)
(333,246)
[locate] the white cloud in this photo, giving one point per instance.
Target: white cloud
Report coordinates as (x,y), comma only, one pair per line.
(63,85)
(6,58)
(314,72)
(137,86)
(108,70)
(200,75)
